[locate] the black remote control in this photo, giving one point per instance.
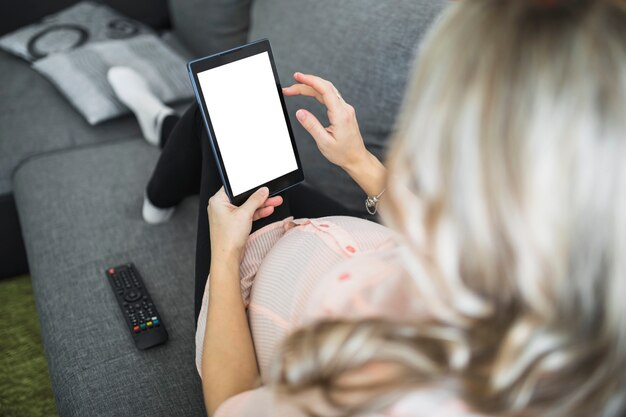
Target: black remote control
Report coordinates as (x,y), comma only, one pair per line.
(141,315)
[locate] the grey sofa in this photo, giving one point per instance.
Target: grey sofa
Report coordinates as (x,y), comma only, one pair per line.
(35,119)
(78,189)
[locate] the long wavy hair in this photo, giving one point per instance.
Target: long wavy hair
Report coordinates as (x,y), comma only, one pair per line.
(508,183)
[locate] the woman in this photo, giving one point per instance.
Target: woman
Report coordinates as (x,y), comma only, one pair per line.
(500,292)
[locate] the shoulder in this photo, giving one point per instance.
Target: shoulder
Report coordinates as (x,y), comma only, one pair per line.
(262,402)
(259,402)
(430,402)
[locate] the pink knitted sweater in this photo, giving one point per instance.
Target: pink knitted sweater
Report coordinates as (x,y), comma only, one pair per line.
(295,272)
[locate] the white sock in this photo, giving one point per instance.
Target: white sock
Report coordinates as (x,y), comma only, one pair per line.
(133,90)
(154,215)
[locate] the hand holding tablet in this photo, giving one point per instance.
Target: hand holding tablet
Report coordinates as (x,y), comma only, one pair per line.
(244,111)
(230,225)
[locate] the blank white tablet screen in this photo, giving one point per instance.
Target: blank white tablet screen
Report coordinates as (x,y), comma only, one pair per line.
(248,121)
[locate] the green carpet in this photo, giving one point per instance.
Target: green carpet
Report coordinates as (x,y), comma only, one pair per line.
(25,389)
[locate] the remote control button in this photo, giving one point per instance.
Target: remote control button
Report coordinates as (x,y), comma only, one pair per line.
(154,318)
(111,271)
(136,329)
(132,296)
(143,326)
(155,322)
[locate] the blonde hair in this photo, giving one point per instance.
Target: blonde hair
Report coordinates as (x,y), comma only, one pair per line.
(508,183)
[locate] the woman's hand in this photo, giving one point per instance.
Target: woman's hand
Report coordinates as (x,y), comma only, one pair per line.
(230,225)
(341,142)
(229,365)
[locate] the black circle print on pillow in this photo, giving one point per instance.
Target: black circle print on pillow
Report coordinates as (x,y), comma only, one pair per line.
(56,38)
(121,28)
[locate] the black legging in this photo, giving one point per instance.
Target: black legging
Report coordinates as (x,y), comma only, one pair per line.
(187,167)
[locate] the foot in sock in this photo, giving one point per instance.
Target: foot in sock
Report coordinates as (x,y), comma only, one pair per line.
(133,90)
(155,215)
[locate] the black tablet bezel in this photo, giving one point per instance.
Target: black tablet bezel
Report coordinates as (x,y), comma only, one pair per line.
(197,66)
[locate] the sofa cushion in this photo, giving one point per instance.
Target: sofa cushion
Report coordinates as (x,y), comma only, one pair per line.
(365,47)
(36,118)
(81,213)
(210,26)
(81,74)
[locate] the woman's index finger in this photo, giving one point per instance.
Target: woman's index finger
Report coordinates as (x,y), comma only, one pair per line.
(302,90)
(325,88)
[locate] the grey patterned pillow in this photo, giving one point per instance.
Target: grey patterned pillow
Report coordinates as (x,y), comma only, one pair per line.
(76,26)
(80,74)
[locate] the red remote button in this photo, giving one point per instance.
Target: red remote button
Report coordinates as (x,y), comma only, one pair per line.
(136,329)
(111,271)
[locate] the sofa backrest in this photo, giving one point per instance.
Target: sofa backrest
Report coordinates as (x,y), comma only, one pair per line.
(210,26)
(365,47)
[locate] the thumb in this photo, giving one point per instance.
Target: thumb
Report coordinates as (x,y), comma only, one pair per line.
(256,200)
(313,126)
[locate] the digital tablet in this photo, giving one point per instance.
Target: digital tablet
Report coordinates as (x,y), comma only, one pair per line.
(246,118)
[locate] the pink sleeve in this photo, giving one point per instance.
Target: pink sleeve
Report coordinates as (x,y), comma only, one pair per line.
(259,402)
(257,247)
